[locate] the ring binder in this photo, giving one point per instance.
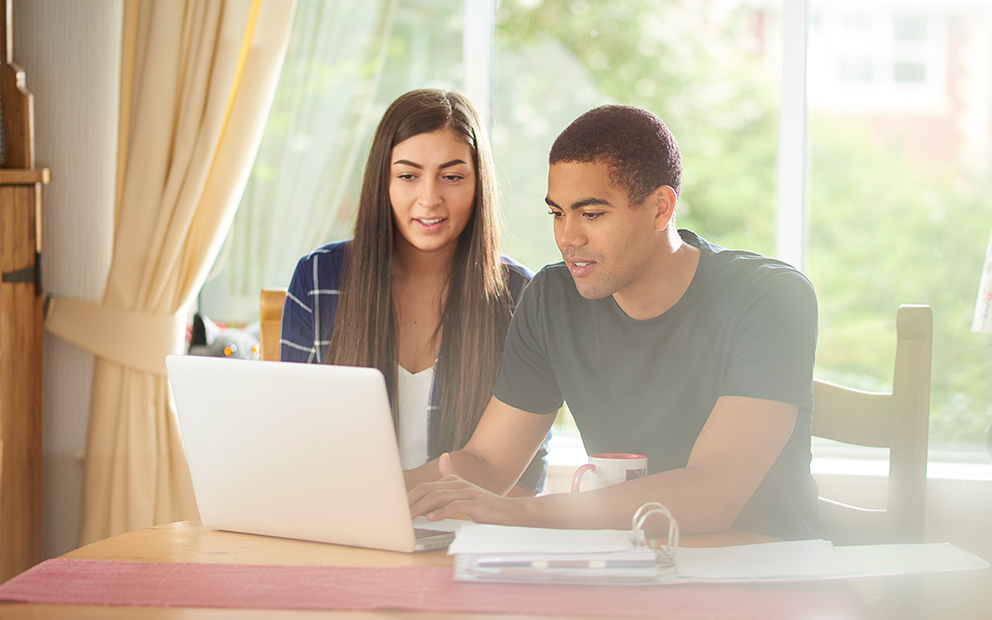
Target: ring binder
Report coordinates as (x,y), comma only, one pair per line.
(631,558)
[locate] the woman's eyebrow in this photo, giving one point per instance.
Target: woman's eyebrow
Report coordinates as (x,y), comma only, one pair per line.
(407,162)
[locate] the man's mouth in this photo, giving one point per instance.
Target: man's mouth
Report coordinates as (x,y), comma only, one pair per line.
(580,268)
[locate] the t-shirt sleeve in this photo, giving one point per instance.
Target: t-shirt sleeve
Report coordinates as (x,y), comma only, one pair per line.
(296,338)
(527,380)
(775,341)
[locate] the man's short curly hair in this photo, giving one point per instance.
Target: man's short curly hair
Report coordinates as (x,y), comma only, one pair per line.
(637,146)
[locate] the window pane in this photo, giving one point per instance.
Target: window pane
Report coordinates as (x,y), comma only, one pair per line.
(910,28)
(856,69)
(904,72)
(699,65)
(900,175)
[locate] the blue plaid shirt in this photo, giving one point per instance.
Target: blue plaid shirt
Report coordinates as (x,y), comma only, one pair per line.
(308,321)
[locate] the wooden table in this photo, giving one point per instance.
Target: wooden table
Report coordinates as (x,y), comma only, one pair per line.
(189,541)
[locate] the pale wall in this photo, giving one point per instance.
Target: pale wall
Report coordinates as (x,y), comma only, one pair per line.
(70,53)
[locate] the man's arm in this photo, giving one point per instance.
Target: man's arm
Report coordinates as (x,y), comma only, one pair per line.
(737,446)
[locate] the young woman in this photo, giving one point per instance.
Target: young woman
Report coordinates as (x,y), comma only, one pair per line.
(419,292)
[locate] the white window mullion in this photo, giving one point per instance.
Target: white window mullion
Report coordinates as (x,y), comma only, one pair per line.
(479,49)
(793,138)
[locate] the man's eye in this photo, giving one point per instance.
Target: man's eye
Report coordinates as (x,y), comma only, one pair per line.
(591,216)
(555,214)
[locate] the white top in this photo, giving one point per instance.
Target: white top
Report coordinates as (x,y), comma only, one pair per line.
(414,393)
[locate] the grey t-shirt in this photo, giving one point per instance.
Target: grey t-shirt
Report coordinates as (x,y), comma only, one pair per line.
(746,326)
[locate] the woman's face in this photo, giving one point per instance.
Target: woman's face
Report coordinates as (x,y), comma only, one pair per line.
(431,189)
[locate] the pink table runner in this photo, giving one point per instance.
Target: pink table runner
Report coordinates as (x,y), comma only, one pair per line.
(414,588)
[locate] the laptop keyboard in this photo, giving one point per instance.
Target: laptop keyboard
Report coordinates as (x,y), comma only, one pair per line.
(423,532)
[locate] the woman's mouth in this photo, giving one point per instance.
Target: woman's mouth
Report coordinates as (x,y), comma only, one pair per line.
(430,224)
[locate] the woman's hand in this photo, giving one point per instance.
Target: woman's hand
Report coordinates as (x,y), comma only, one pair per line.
(452,495)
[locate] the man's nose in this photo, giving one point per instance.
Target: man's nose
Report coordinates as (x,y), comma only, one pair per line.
(568,230)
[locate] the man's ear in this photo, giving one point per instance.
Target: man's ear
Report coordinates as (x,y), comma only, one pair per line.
(663,200)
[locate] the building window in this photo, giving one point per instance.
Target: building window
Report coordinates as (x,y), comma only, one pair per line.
(877,59)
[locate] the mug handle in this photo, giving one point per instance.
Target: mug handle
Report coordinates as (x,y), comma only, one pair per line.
(577,478)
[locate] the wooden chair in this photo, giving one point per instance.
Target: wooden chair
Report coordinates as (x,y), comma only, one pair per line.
(897,421)
(270,321)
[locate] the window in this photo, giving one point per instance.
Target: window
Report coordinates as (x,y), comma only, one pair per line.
(899,164)
(874,57)
(899,171)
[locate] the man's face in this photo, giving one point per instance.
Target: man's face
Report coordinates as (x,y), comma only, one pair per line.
(607,243)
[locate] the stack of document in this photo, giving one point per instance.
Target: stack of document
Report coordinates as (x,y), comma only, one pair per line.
(521,554)
(493,553)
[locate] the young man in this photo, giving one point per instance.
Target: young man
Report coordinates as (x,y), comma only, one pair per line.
(662,344)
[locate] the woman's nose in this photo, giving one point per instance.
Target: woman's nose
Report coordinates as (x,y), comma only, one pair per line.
(429,195)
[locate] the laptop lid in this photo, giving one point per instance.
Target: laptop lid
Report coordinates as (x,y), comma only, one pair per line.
(302,451)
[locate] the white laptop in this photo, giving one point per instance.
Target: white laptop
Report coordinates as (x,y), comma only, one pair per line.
(302,451)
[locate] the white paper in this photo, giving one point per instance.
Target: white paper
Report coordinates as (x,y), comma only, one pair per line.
(498,539)
(878,560)
(797,559)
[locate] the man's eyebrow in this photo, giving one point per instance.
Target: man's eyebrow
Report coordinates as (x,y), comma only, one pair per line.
(407,162)
(578,204)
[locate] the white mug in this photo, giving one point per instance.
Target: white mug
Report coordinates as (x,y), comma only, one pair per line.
(610,468)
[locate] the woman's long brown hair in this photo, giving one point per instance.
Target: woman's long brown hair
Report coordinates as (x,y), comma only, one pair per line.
(476,313)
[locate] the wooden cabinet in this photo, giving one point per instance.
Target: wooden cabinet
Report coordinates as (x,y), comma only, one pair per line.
(21,324)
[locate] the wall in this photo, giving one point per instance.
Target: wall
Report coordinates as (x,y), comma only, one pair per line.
(70,53)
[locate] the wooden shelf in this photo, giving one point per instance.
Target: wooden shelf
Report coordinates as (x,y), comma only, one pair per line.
(25,177)
(21,323)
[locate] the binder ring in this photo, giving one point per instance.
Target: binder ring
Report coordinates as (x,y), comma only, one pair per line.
(637,526)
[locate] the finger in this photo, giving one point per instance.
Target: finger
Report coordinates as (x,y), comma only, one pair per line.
(458,508)
(420,491)
(445,465)
(437,499)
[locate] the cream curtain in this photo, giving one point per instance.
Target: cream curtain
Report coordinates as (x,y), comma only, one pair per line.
(196,85)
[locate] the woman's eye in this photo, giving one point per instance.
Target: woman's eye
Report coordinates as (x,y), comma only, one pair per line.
(453,177)
(405,176)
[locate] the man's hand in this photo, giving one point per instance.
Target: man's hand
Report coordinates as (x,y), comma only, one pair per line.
(453,495)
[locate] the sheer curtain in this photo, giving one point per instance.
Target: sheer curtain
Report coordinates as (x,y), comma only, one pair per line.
(197,81)
(983,308)
(313,146)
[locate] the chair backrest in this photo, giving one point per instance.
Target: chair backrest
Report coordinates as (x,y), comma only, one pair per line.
(270,321)
(897,421)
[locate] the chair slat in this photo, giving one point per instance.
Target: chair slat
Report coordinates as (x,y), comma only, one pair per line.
(898,421)
(270,322)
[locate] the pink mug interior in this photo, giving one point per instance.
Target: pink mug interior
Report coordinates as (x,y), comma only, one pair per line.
(617,456)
